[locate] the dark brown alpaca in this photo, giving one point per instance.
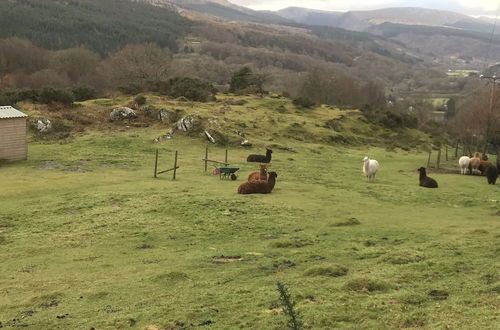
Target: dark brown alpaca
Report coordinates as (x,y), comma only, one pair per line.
(259,186)
(261,158)
(262,175)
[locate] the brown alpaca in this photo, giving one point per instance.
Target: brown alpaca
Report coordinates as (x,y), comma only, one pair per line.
(474,163)
(259,186)
(483,165)
(262,175)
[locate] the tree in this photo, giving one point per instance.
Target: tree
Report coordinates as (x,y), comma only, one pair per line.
(77,63)
(140,65)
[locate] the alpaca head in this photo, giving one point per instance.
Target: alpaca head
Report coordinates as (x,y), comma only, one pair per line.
(273,175)
(268,151)
(422,171)
(484,157)
(476,155)
(263,167)
(366,159)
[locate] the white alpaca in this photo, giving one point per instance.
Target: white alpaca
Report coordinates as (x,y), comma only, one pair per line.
(464,162)
(370,168)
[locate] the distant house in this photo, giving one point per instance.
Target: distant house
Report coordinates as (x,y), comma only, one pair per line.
(13,145)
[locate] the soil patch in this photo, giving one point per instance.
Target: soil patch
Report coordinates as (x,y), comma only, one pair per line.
(226,259)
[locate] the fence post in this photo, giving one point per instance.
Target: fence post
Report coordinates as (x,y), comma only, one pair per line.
(156,164)
(175,165)
(446,152)
(439,157)
(206,159)
(429,160)
(225,159)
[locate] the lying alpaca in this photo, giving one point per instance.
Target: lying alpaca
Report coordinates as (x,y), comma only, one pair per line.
(474,163)
(370,168)
(425,181)
(492,174)
(262,175)
(259,186)
(464,162)
(261,158)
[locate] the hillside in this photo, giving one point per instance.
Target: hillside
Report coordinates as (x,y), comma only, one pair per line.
(103,26)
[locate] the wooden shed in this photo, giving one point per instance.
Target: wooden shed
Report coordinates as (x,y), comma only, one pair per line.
(13,145)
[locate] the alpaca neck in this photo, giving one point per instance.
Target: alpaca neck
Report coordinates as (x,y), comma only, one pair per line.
(367,163)
(271,183)
(423,175)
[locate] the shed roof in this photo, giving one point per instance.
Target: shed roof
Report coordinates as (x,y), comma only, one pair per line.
(7,112)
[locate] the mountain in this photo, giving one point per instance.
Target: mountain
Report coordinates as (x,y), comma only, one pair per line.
(310,16)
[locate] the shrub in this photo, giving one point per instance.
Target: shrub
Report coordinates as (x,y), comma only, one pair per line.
(84,93)
(327,270)
(51,95)
(140,99)
(303,102)
(193,89)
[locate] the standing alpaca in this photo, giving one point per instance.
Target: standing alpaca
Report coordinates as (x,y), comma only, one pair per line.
(261,175)
(261,158)
(425,181)
(492,174)
(370,168)
(259,186)
(464,162)
(483,166)
(474,163)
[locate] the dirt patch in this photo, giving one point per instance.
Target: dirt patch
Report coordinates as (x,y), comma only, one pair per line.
(438,294)
(54,165)
(226,259)
(348,222)
(4,229)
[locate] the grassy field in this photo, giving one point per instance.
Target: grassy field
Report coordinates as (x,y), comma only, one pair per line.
(90,240)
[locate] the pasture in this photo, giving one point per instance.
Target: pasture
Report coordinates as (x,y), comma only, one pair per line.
(90,240)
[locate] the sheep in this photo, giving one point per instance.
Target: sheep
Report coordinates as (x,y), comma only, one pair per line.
(492,174)
(474,163)
(425,181)
(464,162)
(261,158)
(261,175)
(370,168)
(259,186)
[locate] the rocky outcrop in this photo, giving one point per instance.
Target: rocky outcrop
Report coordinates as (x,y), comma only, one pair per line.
(42,125)
(122,113)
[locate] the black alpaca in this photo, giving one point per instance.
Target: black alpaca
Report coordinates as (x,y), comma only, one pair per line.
(492,174)
(260,158)
(425,181)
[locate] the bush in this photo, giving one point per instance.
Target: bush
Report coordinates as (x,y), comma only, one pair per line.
(140,99)
(303,102)
(193,89)
(84,93)
(51,95)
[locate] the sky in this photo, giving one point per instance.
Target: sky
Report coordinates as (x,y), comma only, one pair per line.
(469,7)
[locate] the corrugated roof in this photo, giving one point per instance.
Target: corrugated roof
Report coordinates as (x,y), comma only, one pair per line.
(7,112)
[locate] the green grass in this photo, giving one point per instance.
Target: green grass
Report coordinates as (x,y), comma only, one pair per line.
(90,239)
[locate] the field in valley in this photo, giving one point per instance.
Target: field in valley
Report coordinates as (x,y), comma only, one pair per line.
(90,240)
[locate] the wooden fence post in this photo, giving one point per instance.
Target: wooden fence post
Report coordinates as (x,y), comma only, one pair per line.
(175,165)
(156,164)
(439,157)
(206,159)
(446,152)
(225,158)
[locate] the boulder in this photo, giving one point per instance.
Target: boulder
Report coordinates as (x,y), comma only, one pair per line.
(163,115)
(185,124)
(43,125)
(209,137)
(122,113)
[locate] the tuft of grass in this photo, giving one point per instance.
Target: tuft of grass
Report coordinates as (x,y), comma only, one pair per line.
(348,222)
(290,243)
(404,257)
(331,270)
(366,285)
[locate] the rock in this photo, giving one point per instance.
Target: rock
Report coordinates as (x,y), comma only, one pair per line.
(246,143)
(43,125)
(186,123)
(165,137)
(209,137)
(239,133)
(122,113)
(163,115)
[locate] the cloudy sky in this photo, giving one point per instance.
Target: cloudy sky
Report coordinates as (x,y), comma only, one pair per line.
(470,7)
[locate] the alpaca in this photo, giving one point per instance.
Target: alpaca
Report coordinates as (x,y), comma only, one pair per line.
(425,181)
(483,166)
(492,174)
(261,158)
(261,175)
(259,186)
(464,162)
(474,163)
(370,168)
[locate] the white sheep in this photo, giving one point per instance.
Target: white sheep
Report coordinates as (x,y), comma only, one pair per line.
(464,162)
(370,168)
